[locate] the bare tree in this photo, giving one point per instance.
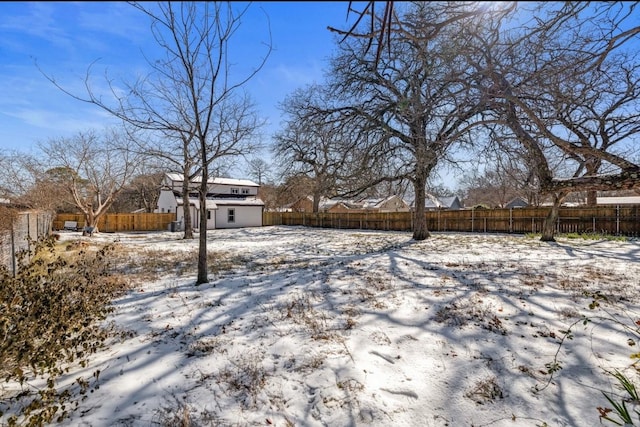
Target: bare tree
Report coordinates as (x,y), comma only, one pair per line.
(92,168)
(194,95)
(177,152)
(378,29)
(258,169)
(312,145)
(269,194)
(416,99)
(292,189)
(141,193)
(24,180)
(567,88)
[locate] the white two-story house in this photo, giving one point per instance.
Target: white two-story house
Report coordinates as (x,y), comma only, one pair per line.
(231,203)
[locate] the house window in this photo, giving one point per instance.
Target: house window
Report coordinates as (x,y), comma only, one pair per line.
(231,215)
(235,191)
(245,191)
(208,214)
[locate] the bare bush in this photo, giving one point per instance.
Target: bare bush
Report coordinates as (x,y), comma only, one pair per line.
(51,317)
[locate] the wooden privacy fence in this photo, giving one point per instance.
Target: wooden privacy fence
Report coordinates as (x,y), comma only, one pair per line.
(121,221)
(621,220)
(614,220)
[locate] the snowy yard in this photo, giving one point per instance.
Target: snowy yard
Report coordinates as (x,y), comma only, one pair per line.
(321,327)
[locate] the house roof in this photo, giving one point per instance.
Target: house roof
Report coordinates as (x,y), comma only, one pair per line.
(194,201)
(177,177)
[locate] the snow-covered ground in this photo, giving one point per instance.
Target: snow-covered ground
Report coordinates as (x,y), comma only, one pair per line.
(321,327)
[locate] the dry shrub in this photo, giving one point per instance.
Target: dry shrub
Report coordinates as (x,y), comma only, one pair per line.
(472,310)
(245,378)
(485,390)
(300,310)
(51,315)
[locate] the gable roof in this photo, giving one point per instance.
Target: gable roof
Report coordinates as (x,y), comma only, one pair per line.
(434,202)
(517,202)
(175,178)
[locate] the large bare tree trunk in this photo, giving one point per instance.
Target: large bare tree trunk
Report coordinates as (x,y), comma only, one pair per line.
(90,222)
(420,231)
(316,202)
(592,169)
(549,224)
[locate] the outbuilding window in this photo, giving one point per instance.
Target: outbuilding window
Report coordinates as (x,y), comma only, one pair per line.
(231,215)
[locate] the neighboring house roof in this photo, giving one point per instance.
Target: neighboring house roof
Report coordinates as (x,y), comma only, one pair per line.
(379,202)
(372,203)
(517,202)
(433,202)
(326,204)
(630,200)
(348,204)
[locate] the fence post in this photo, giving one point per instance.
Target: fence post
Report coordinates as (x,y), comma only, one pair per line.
(473,212)
(13,247)
(28,231)
(510,220)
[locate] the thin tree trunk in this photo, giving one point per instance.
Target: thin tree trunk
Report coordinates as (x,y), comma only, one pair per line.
(186,208)
(203,276)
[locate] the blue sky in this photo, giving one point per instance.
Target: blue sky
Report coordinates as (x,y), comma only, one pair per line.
(64,38)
